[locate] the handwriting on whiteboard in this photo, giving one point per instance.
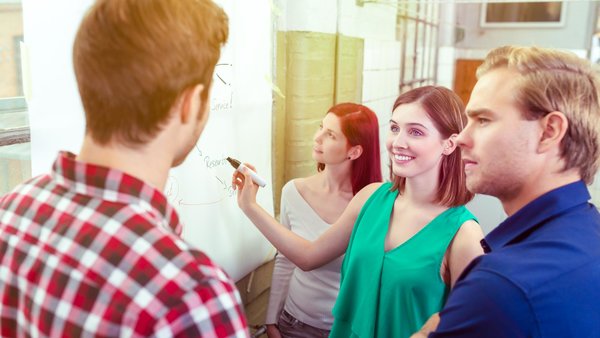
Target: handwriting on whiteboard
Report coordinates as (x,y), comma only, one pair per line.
(226,189)
(221,97)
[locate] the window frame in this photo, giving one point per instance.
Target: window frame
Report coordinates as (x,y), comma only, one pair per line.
(14,135)
(15,104)
(421,16)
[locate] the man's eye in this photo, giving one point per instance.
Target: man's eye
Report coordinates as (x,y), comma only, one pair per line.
(482,121)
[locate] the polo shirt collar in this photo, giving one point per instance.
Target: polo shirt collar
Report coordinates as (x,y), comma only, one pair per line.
(548,205)
(113,185)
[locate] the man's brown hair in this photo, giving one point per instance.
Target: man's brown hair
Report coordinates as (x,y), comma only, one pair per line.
(133,58)
(553,80)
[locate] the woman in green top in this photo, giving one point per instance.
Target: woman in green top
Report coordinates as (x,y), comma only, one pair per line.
(406,241)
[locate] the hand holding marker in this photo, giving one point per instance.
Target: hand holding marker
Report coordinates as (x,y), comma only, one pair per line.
(240,167)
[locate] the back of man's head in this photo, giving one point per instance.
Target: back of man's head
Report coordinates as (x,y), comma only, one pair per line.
(553,80)
(134,57)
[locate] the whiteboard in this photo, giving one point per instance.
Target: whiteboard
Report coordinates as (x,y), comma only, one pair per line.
(239,124)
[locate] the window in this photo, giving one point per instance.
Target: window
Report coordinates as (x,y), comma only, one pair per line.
(417,31)
(523,14)
(15,164)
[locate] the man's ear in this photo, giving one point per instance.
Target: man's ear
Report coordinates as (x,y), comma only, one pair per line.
(450,144)
(191,103)
(554,127)
(355,152)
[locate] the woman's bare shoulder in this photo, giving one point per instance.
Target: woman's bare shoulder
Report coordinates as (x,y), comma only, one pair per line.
(303,183)
(363,195)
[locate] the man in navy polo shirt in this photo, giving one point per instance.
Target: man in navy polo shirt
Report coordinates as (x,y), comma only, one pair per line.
(533,141)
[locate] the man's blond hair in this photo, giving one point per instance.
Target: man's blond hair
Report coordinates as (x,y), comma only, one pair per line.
(553,80)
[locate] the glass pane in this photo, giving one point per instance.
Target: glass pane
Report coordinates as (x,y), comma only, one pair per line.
(433,47)
(430,12)
(15,166)
(11,34)
(412,9)
(423,5)
(419,51)
(426,53)
(409,59)
(13,114)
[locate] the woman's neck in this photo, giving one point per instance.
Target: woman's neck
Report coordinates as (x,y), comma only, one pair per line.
(335,179)
(420,191)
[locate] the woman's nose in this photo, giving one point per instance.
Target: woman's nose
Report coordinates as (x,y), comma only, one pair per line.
(317,137)
(399,141)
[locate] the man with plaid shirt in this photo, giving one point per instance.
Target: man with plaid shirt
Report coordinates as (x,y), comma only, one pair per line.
(94,248)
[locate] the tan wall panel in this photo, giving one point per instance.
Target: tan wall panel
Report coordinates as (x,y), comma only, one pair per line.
(311,84)
(314,71)
(349,69)
(304,73)
(279,124)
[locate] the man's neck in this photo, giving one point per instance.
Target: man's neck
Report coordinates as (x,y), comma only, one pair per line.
(536,188)
(141,162)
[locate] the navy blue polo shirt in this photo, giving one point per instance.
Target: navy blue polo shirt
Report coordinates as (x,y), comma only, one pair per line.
(540,278)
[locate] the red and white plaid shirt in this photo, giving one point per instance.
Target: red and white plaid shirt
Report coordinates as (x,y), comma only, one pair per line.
(92,251)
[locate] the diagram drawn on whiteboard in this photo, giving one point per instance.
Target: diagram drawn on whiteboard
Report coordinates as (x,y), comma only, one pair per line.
(172,188)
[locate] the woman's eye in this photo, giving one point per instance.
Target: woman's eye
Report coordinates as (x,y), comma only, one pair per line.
(415,132)
(394,129)
(330,134)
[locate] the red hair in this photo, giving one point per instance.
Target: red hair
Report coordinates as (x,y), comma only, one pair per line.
(359,125)
(133,59)
(447,112)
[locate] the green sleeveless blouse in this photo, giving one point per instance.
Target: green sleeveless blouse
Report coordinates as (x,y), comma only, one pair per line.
(393,293)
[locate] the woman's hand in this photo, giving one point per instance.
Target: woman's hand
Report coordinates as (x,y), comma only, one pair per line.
(430,325)
(273,331)
(246,188)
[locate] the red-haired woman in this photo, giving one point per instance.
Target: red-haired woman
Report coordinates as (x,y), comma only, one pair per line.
(346,148)
(406,241)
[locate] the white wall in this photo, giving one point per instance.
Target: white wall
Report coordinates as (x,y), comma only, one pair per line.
(306,15)
(595,191)
(376,24)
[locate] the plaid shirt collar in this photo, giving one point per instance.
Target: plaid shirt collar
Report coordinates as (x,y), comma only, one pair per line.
(113,185)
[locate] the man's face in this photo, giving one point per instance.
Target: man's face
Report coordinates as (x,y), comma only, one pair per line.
(498,144)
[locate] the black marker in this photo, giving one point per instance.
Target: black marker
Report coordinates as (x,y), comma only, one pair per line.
(239,167)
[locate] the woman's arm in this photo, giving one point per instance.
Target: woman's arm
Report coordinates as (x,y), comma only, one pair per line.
(463,249)
(430,325)
(305,254)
